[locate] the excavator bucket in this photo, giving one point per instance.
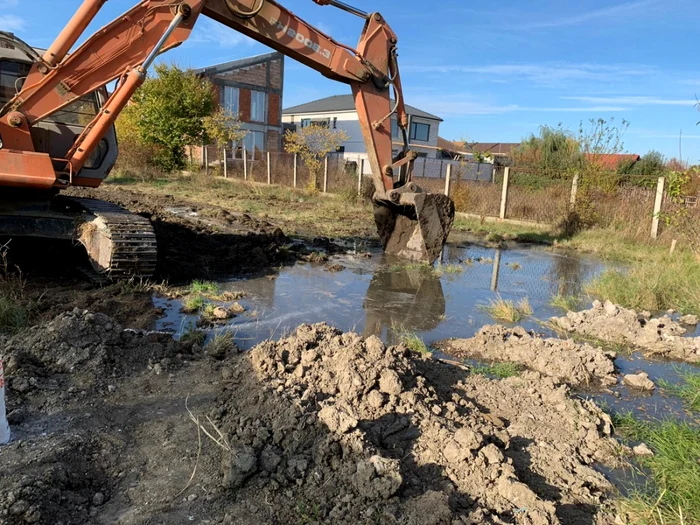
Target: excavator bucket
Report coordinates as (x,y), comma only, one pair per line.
(417,227)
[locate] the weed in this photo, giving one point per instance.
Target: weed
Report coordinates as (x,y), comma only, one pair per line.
(503,310)
(221,344)
(524,307)
(688,390)
(653,284)
(193,304)
(674,496)
(204,288)
(13,316)
(570,303)
(207,312)
(193,336)
(448,269)
(496,369)
(412,340)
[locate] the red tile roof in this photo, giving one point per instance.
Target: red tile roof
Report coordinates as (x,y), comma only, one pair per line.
(611,160)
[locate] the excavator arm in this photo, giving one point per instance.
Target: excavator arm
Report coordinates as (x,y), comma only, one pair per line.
(411,223)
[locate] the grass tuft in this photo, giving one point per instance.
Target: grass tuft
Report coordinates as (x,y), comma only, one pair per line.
(193,336)
(497,370)
(504,310)
(653,284)
(673,497)
(412,340)
(13,316)
(193,304)
(688,390)
(204,288)
(570,303)
(221,344)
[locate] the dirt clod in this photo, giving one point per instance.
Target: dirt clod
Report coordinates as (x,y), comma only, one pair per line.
(658,336)
(564,360)
(640,381)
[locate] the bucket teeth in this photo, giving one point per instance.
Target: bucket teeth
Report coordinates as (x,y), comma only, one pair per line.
(418,228)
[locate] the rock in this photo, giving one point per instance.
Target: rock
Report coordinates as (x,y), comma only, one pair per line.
(390,383)
(375,399)
(640,380)
(468,438)
(334,268)
(222,313)
(689,320)
(98,499)
(237,308)
(238,466)
(610,309)
(642,450)
(492,454)
(597,304)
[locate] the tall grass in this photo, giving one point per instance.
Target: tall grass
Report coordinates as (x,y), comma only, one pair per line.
(688,389)
(654,284)
(570,303)
(504,310)
(673,496)
(13,313)
(497,369)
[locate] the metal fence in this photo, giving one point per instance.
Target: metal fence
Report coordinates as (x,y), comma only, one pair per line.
(484,190)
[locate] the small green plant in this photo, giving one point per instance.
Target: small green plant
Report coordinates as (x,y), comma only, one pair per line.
(193,304)
(674,495)
(13,316)
(221,344)
(688,390)
(570,303)
(204,288)
(504,310)
(193,336)
(496,369)
(414,343)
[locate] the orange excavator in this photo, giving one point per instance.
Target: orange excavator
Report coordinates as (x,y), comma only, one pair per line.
(57,123)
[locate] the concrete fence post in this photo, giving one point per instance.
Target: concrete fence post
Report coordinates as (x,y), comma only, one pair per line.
(448,179)
(295,170)
(504,192)
(493,173)
(225,164)
(206,160)
(657,207)
(574,189)
(496,271)
(360,165)
(325,175)
(245,164)
(269,169)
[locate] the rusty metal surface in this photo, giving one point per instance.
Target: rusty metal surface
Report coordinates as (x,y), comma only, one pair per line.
(26,169)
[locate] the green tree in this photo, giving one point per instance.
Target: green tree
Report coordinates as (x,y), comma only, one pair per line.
(168,112)
(313,143)
(223,127)
(553,154)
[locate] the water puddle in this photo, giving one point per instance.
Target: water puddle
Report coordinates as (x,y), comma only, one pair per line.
(377,296)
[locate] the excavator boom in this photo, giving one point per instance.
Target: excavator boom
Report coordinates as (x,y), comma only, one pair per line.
(411,223)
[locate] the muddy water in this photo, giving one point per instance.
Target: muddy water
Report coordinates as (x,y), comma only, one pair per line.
(377,296)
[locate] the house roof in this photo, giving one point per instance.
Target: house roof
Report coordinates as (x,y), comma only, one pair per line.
(612,160)
(450,145)
(498,148)
(344,103)
(237,64)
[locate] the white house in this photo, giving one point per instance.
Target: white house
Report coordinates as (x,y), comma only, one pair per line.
(338,112)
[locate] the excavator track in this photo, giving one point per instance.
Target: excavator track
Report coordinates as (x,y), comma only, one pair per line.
(120,244)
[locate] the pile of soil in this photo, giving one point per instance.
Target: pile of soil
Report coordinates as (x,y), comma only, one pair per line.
(320,427)
(197,241)
(564,360)
(660,336)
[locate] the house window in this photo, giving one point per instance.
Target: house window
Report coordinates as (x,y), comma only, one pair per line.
(305,122)
(258,102)
(254,141)
(420,131)
(394,128)
(231,96)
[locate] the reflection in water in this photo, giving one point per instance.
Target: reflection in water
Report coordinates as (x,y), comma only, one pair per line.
(409,298)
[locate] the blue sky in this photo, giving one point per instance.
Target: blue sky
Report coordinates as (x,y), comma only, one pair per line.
(494,71)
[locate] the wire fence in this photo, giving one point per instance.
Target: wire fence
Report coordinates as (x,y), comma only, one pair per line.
(639,206)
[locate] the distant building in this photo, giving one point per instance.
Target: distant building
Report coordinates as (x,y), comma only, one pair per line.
(339,112)
(252,89)
(611,161)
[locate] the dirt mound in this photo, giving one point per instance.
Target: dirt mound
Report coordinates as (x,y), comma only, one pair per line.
(364,434)
(607,322)
(201,242)
(79,350)
(565,361)
(320,427)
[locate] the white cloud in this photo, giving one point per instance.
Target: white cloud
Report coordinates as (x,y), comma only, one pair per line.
(12,23)
(634,101)
(457,105)
(615,12)
(212,33)
(543,74)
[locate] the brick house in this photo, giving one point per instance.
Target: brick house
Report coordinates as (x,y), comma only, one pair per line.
(252,89)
